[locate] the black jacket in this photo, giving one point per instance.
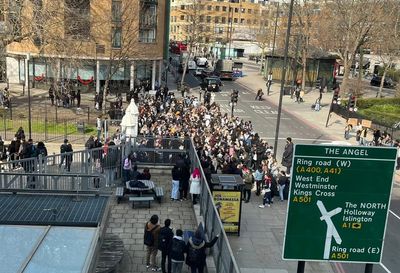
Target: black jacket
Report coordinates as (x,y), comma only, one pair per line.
(196,251)
(165,239)
(178,248)
(176,174)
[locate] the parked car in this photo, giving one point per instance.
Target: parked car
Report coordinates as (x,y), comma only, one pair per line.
(387,83)
(211,84)
(207,73)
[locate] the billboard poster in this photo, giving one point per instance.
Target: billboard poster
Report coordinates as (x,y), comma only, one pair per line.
(228,204)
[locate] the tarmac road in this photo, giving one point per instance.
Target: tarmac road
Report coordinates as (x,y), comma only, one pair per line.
(304,126)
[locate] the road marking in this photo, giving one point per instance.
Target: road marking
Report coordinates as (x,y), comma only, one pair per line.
(394,214)
(384,267)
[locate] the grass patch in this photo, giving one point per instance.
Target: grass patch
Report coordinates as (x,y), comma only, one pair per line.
(42,127)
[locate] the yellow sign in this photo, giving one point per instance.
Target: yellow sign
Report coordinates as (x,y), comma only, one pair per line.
(356,225)
(228,206)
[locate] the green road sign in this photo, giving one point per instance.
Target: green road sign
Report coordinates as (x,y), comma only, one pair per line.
(338,203)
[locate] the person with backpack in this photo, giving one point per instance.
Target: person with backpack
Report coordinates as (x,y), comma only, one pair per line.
(248,183)
(196,250)
(66,148)
(151,233)
(164,244)
(178,250)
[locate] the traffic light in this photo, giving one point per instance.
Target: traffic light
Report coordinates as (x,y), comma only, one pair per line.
(352,103)
(234,96)
(336,97)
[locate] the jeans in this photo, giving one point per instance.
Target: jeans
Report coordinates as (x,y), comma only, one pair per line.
(177,267)
(281,188)
(151,254)
(164,258)
(197,269)
(125,175)
(175,190)
(246,194)
(258,187)
(267,198)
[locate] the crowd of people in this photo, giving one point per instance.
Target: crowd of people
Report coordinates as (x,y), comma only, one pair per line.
(66,97)
(175,248)
(224,144)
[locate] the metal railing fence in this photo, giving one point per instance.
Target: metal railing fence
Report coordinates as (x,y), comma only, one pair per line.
(224,259)
(50,182)
(96,169)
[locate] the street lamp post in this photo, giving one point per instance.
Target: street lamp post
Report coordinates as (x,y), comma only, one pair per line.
(29,99)
(283,76)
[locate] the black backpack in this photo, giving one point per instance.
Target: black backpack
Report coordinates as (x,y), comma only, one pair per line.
(162,241)
(148,236)
(193,255)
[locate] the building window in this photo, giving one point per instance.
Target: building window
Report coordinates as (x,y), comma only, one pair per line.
(208,19)
(182,17)
(182,7)
(249,11)
(223,20)
(116,37)
(236,10)
(148,21)
(77,19)
(242,20)
(235,20)
(209,8)
(224,8)
(216,19)
(217,8)
(116,10)
(201,18)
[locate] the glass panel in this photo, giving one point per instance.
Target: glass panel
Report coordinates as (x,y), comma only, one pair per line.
(64,250)
(16,245)
(40,69)
(86,72)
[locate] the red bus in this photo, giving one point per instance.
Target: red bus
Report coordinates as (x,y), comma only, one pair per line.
(178,47)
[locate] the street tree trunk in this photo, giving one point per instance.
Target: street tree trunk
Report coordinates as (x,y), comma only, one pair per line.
(185,66)
(304,70)
(379,93)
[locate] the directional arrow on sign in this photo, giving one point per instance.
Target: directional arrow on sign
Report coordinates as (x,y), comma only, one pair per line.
(330,227)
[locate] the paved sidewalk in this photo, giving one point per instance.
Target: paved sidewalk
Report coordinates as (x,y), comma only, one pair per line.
(259,248)
(128,223)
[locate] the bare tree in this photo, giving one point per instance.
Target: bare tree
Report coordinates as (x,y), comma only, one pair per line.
(197,28)
(344,26)
(262,33)
(304,20)
(122,45)
(386,39)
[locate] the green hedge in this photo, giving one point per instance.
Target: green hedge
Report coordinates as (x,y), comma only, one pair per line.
(384,111)
(367,103)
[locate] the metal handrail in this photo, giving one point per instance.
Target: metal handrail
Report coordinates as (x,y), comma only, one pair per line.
(40,182)
(204,210)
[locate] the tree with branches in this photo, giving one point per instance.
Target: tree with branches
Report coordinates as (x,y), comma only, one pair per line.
(345,26)
(386,39)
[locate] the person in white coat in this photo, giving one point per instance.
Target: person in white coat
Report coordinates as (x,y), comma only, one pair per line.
(195,187)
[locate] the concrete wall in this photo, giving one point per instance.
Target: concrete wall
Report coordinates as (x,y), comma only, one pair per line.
(12,70)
